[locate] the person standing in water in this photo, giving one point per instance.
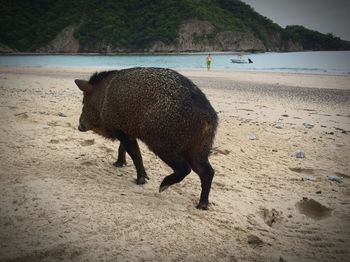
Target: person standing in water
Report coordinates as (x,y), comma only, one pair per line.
(208,61)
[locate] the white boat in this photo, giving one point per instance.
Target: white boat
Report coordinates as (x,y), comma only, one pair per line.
(240,60)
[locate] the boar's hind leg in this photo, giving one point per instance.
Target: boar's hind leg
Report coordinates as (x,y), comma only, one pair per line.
(121,161)
(131,146)
(206,173)
(181,170)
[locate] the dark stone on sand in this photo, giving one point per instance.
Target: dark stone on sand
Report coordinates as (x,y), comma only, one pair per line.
(335,178)
(62,114)
(309,178)
(299,154)
(279,125)
(252,137)
(309,126)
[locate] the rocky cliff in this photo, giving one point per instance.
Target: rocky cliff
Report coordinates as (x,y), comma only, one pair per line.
(194,35)
(64,42)
(4,49)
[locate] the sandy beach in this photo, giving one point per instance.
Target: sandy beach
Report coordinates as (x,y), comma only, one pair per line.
(61,198)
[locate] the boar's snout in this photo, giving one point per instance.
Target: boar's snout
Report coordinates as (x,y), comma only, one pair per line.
(81,128)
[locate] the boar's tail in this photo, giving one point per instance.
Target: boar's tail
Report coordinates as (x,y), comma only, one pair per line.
(210,133)
(205,139)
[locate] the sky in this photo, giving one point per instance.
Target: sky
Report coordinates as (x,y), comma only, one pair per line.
(325,16)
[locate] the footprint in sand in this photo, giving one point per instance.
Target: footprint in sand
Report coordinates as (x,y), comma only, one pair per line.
(313,209)
(22,115)
(308,171)
(67,124)
(107,149)
(87,142)
(271,216)
(254,241)
(217,151)
(52,123)
(88,163)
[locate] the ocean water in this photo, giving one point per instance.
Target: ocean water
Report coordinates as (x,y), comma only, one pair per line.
(320,62)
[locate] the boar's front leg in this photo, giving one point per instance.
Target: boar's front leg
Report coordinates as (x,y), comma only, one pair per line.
(131,146)
(121,161)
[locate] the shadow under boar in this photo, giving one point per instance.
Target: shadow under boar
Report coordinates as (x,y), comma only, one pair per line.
(162,108)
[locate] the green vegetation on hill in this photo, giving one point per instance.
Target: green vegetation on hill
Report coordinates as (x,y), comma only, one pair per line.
(27,25)
(132,23)
(260,25)
(136,24)
(313,40)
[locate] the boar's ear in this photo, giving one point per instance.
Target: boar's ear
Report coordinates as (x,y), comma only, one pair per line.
(84,86)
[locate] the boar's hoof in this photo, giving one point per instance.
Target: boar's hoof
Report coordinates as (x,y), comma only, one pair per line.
(163,188)
(165,184)
(119,163)
(202,206)
(141,180)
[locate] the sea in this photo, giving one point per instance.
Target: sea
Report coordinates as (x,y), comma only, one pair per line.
(315,62)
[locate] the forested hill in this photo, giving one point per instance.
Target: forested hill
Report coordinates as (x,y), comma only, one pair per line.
(111,26)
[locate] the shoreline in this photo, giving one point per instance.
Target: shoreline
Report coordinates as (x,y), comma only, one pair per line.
(271,78)
(328,63)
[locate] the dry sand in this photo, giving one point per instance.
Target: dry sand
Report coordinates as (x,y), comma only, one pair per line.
(62,199)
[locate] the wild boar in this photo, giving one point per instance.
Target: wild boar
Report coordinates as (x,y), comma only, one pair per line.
(160,107)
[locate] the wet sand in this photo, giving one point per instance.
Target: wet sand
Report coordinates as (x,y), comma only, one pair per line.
(61,198)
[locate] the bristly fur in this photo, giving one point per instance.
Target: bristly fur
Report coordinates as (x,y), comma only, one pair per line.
(98,76)
(174,95)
